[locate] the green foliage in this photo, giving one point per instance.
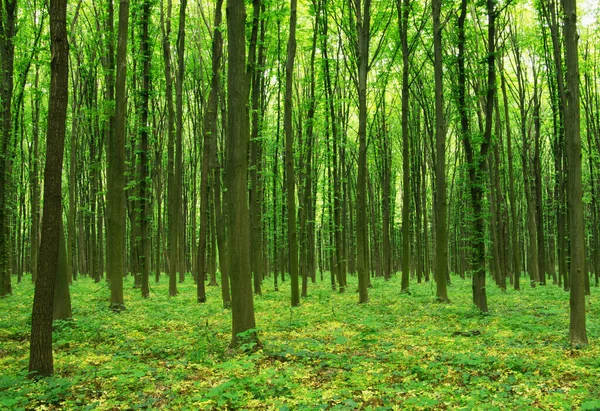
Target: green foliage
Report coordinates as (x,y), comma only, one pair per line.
(398,352)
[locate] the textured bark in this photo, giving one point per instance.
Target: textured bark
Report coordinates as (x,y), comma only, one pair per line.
(40,353)
(173,199)
(537,180)
(339,269)
(255,74)
(143,172)
(363,27)
(62,296)
(403,12)
(216,166)
(307,220)
(34,181)
(116,206)
(289,157)
(236,166)
(441,235)
(577,330)
(8,17)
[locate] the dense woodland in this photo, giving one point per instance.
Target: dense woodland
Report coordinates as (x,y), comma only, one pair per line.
(242,146)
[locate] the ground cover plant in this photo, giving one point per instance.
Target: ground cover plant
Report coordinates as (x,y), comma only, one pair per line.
(401,351)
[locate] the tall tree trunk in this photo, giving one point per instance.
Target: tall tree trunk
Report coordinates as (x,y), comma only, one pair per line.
(209,127)
(216,165)
(307,223)
(363,28)
(441,235)
(577,328)
(476,156)
(289,157)
(144,191)
(387,188)
(537,180)
(236,166)
(8,18)
(403,12)
(558,104)
(516,263)
(255,74)
(116,228)
(173,199)
(40,352)
(34,182)
(337,270)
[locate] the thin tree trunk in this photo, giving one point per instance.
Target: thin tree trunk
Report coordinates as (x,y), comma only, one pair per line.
(255,72)
(403,12)
(511,189)
(289,157)
(441,235)
(34,182)
(8,18)
(116,230)
(363,27)
(209,127)
(173,199)
(144,192)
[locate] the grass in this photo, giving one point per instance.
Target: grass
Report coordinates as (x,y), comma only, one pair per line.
(397,352)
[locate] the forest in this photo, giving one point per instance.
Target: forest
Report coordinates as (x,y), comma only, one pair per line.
(314,204)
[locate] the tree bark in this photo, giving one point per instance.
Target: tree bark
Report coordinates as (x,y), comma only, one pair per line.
(173,199)
(441,235)
(8,18)
(116,228)
(363,27)
(289,157)
(144,192)
(236,165)
(40,353)
(577,270)
(62,296)
(403,13)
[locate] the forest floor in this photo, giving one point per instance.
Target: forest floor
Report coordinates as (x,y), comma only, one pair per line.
(397,352)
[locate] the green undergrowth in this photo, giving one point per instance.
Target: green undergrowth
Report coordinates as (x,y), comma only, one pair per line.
(398,352)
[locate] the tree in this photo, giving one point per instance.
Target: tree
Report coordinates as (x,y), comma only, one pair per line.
(236,168)
(143,171)
(476,152)
(173,200)
(403,13)
(289,156)
(441,239)
(8,18)
(116,211)
(515,248)
(255,70)
(40,351)
(577,272)
(209,127)
(215,162)
(362,10)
